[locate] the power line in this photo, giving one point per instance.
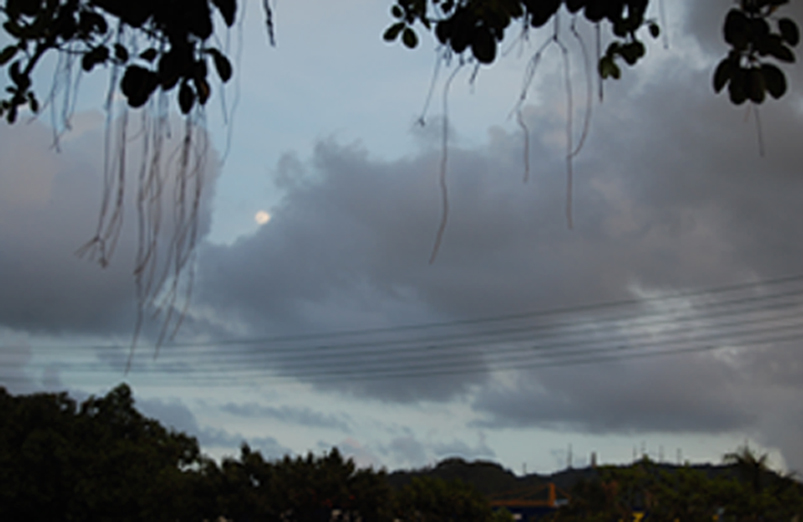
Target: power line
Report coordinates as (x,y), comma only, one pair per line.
(532,357)
(422,327)
(699,325)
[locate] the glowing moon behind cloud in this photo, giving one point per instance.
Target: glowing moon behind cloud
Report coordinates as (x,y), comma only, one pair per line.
(261,217)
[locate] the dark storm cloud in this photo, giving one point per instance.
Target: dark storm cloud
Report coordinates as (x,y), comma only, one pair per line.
(670,193)
(290,415)
(689,394)
(49,206)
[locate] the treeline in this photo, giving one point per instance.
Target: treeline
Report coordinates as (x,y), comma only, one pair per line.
(744,489)
(102,460)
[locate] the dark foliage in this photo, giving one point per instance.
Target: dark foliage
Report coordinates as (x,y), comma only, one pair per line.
(752,29)
(177,34)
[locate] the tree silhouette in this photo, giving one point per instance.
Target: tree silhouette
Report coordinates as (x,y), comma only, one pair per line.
(750,466)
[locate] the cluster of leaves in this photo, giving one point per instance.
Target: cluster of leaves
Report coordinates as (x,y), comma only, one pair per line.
(746,70)
(103,460)
(430,499)
(481,24)
(100,460)
(111,32)
(310,489)
(300,489)
(745,491)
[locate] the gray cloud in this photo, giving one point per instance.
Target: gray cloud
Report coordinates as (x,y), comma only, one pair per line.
(459,448)
(176,415)
(49,207)
(14,357)
(406,451)
(171,413)
(290,415)
(219,438)
(690,394)
(670,193)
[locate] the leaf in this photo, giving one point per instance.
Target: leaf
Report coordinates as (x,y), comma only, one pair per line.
(397,11)
(774,79)
(168,69)
(789,31)
(756,87)
(443,30)
(199,20)
(780,51)
(758,28)
(483,46)
(228,9)
(202,89)
(186,98)
(87,62)
(7,54)
(14,72)
(21,79)
(632,52)
(222,65)
(409,38)
(463,23)
(594,11)
(13,29)
(655,30)
(616,72)
(542,11)
(574,5)
(31,7)
(737,88)
(392,32)
(138,84)
(722,74)
(94,57)
(735,30)
(608,68)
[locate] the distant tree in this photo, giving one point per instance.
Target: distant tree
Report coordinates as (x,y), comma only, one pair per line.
(750,466)
(427,499)
(102,460)
(667,494)
(301,489)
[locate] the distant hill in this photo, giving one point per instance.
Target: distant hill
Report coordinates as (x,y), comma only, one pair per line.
(487,477)
(492,479)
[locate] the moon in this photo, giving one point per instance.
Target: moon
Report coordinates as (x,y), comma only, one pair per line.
(262,217)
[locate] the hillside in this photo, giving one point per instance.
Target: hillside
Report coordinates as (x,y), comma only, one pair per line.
(492,479)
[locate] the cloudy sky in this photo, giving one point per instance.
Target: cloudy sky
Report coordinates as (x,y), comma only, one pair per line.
(664,321)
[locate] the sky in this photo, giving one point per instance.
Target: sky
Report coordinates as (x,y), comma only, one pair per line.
(664,321)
